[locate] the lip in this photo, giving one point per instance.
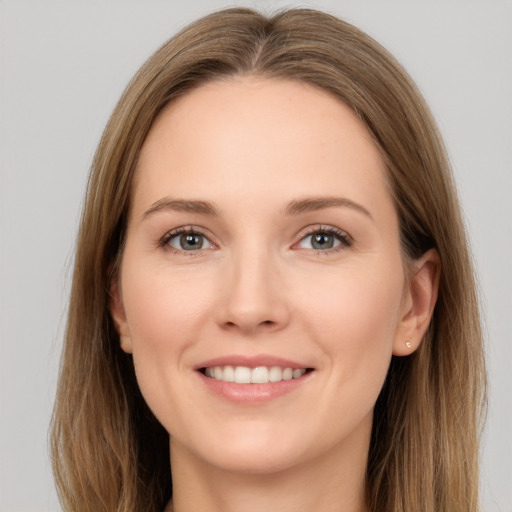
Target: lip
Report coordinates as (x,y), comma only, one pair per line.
(252,394)
(251,362)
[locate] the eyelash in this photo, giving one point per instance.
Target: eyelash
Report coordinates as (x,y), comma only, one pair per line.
(188,230)
(344,238)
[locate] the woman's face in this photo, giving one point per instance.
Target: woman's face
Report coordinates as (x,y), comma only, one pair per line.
(262,244)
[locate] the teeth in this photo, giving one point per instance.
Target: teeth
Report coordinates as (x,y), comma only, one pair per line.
(258,375)
(228,375)
(242,375)
(297,373)
(275,374)
(287,374)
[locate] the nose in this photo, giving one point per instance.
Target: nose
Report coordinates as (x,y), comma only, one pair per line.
(253,296)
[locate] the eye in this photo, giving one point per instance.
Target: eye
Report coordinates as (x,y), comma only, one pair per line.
(187,241)
(324,239)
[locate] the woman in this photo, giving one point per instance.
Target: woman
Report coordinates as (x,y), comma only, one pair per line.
(272,274)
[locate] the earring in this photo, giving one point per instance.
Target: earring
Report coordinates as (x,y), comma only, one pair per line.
(408,343)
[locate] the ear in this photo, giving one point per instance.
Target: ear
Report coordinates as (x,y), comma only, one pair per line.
(418,305)
(119,316)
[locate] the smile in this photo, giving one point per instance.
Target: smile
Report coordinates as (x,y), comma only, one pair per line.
(257,375)
(253,380)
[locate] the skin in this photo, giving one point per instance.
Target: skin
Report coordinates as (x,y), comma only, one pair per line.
(251,147)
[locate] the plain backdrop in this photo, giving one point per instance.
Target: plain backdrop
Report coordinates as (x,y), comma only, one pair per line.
(64,64)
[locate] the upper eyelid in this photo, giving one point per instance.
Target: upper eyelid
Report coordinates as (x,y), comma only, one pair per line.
(303,233)
(187,229)
(346,241)
(320,228)
(163,240)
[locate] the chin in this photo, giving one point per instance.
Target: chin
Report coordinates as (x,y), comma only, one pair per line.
(250,450)
(256,461)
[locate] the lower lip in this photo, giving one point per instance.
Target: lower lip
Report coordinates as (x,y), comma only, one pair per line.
(253,393)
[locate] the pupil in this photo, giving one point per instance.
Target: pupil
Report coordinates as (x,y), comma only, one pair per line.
(323,241)
(191,241)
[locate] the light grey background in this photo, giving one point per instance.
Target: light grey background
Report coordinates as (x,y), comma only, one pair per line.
(63,66)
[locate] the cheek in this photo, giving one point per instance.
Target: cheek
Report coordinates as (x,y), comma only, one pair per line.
(163,308)
(355,321)
(354,324)
(355,301)
(165,313)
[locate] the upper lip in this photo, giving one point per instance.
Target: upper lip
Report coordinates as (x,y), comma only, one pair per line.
(251,362)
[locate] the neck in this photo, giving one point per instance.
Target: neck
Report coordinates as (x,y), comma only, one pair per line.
(332,482)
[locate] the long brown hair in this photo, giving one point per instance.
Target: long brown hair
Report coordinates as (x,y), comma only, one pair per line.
(109,451)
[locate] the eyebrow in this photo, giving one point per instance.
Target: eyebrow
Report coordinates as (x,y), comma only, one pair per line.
(312,204)
(181,205)
(295,207)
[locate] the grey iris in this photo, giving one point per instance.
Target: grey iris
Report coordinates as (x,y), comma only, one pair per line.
(190,242)
(322,241)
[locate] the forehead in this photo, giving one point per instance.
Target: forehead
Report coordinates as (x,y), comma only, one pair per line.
(248,131)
